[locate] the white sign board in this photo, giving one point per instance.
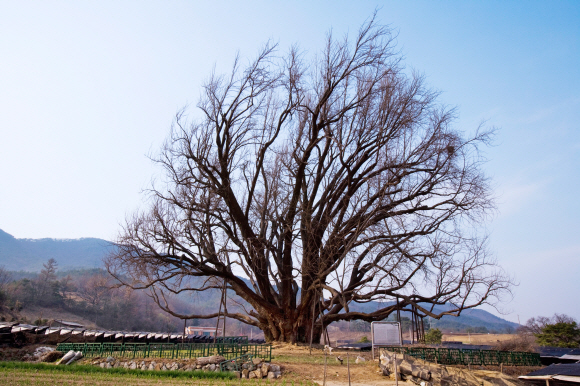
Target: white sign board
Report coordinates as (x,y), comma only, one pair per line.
(385,334)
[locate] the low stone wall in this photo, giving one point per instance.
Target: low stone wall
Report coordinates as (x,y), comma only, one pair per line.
(254,368)
(430,374)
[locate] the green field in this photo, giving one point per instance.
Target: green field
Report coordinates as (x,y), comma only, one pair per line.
(21,373)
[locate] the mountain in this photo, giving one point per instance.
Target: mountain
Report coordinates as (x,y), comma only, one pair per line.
(470,318)
(30,254)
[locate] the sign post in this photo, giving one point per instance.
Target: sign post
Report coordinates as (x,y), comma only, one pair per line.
(385,334)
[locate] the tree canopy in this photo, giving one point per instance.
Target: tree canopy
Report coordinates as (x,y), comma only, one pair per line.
(309,185)
(557,331)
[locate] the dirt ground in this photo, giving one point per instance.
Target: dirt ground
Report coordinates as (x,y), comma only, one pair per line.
(299,365)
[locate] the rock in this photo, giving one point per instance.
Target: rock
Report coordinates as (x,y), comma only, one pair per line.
(39,351)
(256,361)
(102,365)
(198,366)
(214,359)
(271,375)
(258,373)
(143,367)
(245,373)
(110,359)
(108,366)
(237,374)
(212,367)
(274,368)
(158,366)
(133,366)
(278,374)
(251,375)
(265,369)
(51,356)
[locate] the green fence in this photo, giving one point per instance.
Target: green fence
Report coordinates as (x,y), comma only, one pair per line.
(169,350)
(452,356)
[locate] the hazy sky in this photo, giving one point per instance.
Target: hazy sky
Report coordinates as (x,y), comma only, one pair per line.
(88,89)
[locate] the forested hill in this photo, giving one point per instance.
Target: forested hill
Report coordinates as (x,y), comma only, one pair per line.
(469,319)
(30,254)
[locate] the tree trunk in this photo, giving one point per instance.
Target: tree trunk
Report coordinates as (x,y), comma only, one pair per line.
(290,330)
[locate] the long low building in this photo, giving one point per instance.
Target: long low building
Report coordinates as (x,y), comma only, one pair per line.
(560,374)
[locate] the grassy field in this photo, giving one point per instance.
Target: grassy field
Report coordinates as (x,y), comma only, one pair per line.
(21,373)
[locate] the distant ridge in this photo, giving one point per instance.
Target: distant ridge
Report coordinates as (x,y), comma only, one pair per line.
(30,254)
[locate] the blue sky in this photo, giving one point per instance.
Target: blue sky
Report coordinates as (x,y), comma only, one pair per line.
(87,89)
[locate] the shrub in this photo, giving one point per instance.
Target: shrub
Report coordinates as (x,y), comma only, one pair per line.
(433,336)
(520,342)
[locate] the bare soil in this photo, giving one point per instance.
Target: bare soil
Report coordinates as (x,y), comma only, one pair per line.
(299,364)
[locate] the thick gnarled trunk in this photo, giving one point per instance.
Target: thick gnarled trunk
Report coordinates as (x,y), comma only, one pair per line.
(282,329)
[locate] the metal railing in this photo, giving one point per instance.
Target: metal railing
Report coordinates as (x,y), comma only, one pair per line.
(169,350)
(235,364)
(452,356)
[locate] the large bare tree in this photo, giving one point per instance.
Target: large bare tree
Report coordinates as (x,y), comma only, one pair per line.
(307,186)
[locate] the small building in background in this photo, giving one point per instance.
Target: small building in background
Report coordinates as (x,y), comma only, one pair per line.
(205,331)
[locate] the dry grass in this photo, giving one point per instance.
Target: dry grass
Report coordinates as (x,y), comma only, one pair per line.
(299,365)
(484,339)
(519,342)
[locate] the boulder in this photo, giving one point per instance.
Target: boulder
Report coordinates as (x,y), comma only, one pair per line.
(51,356)
(274,368)
(265,369)
(256,361)
(258,373)
(271,375)
(237,374)
(245,373)
(214,359)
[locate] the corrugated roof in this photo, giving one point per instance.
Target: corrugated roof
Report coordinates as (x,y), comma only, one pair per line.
(572,369)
